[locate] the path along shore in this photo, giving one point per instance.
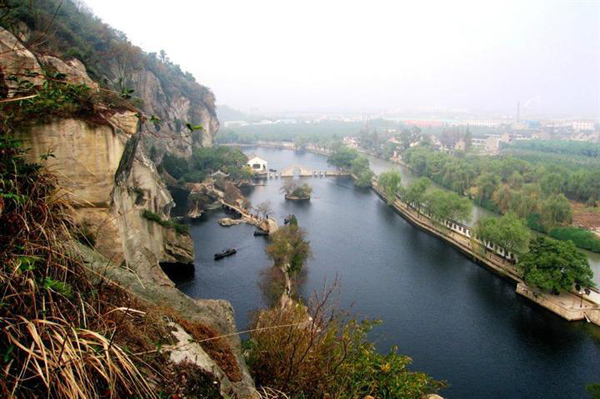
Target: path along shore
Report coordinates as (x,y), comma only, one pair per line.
(569,305)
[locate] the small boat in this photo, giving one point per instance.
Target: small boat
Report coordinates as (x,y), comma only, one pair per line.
(225,253)
(260,233)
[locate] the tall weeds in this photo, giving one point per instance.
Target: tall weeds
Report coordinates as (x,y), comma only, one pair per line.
(56,330)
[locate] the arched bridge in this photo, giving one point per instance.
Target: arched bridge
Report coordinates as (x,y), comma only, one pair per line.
(302,171)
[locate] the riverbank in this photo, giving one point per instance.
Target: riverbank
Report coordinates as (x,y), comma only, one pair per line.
(568,305)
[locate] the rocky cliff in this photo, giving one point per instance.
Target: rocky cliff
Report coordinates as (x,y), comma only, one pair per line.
(66,30)
(111,183)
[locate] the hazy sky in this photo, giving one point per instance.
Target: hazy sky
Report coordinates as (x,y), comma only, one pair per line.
(371,55)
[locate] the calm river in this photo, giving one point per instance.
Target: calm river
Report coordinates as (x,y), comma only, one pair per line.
(458,321)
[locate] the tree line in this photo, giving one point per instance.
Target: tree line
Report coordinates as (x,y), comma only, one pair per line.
(547,264)
(539,192)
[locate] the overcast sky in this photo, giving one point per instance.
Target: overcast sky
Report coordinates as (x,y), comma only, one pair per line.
(377,55)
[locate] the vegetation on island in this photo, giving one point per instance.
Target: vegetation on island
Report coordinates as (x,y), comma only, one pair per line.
(362,172)
(204,161)
(293,190)
(328,355)
(318,351)
(555,266)
(288,247)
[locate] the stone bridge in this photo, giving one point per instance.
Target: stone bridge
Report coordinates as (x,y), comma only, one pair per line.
(302,171)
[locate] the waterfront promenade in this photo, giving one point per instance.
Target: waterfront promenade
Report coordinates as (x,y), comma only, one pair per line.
(569,305)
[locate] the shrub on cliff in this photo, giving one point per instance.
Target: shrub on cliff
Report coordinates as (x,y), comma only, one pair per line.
(327,355)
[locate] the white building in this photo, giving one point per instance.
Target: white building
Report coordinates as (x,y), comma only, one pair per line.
(257,164)
(351,142)
(582,125)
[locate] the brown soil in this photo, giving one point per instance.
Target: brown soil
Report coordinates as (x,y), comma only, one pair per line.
(586,217)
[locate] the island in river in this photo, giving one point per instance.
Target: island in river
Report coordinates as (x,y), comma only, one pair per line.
(458,321)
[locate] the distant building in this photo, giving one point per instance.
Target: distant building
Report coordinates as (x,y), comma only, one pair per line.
(492,145)
(257,164)
(351,142)
(583,125)
(460,145)
(540,136)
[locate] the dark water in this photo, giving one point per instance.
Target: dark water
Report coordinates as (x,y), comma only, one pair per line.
(457,320)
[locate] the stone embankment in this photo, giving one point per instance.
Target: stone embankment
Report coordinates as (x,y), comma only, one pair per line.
(568,305)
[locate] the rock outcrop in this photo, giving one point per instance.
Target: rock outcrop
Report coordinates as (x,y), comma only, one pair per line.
(106,175)
(18,66)
(175,109)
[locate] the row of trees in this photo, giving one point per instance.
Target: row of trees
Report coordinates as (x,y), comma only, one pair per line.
(438,204)
(537,192)
(545,263)
(503,185)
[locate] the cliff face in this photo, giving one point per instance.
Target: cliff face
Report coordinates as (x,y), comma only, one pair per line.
(109,180)
(65,35)
(174,108)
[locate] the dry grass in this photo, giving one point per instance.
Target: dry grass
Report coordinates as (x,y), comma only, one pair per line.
(65,335)
(56,335)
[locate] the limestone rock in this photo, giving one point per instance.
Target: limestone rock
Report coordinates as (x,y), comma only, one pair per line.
(18,62)
(85,159)
(73,69)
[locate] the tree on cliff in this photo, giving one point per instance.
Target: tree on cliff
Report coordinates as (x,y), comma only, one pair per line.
(555,266)
(509,232)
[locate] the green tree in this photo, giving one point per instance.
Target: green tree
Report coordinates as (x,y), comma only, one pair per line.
(415,193)
(593,390)
(556,210)
(447,205)
(390,183)
(288,247)
(555,266)
(342,157)
(362,171)
(510,232)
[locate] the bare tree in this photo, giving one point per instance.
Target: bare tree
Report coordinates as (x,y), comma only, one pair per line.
(264,208)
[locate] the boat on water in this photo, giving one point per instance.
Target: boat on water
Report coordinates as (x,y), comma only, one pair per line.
(225,253)
(260,233)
